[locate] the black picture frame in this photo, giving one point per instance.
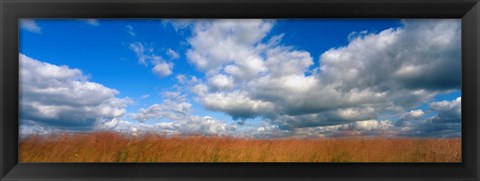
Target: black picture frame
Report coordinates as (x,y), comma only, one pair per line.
(12,10)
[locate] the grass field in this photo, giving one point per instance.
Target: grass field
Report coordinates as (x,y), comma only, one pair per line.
(112,147)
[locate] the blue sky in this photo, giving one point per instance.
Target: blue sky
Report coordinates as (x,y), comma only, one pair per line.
(232,77)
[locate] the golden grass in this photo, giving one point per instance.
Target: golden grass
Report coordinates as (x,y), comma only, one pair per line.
(113,147)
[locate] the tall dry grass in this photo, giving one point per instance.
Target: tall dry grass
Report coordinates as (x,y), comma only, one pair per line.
(112,147)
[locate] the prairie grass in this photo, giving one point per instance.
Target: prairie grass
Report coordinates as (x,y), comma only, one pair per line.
(114,147)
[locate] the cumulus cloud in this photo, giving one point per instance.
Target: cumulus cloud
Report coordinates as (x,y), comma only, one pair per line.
(162,69)
(445,123)
(448,110)
(186,79)
(250,74)
(237,104)
(218,43)
(423,54)
(220,82)
(63,98)
(30,25)
(194,125)
(29,127)
(174,115)
(173,107)
(355,129)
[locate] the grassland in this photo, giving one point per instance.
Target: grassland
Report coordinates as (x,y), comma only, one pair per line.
(112,147)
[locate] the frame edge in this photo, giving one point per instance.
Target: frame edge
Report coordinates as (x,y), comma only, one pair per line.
(4,168)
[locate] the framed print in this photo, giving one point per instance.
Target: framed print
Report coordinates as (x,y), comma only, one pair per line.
(321,90)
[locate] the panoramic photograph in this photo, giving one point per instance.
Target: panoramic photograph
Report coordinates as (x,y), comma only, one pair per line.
(240,90)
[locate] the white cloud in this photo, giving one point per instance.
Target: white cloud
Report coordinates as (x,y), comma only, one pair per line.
(162,69)
(174,116)
(178,24)
(445,123)
(221,82)
(448,108)
(130,30)
(186,79)
(410,57)
(140,51)
(237,104)
(146,56)
(354,35)
(356,129)
(181,78)
(92,22)
(200,89)
(416,113)
(172,54)
(62,97)
(173,107)
(411,124)
(145,96)
(220,42)
(134,128)
(30,25)
(283,61)
(278,79)
(29,127)
(193,125)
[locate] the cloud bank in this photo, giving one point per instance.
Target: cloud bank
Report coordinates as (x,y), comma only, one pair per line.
(58,98)
(249,74)
(62,97)
(380,83)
